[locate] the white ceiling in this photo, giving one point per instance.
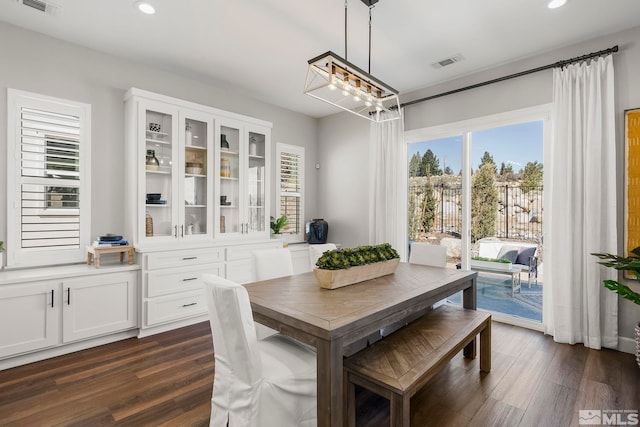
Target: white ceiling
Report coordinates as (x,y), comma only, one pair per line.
(262,46)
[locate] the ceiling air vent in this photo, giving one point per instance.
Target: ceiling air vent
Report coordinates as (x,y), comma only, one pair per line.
(448,61)
(42,6)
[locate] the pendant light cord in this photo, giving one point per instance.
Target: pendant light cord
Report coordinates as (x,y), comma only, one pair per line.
(370,7)
(345,31)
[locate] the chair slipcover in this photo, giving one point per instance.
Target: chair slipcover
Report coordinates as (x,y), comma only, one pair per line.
(271,264)
(316,251)
(427,254)
(268,383)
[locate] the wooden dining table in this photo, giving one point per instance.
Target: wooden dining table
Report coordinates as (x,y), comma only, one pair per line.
(333,320)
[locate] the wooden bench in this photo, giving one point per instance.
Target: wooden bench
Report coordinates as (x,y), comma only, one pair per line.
(399,365)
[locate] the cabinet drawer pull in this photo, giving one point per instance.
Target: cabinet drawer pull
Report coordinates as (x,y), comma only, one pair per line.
(189,279)
(68,296)
(189,257)
(189,305)
(51,298)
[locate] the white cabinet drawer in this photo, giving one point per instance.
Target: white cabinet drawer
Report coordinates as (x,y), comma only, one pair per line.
(171,281)
(183,258)
(245,251)
(176,307)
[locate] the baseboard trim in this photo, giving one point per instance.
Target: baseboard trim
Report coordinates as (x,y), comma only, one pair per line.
(627,345)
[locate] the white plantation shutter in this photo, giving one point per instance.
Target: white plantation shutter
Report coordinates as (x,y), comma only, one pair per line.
(290,191)
(48,142)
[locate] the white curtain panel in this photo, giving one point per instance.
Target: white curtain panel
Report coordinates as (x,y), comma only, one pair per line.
(581,207)
(387,202)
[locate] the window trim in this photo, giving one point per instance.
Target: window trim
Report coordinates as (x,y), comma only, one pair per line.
(18,257)
(300,151)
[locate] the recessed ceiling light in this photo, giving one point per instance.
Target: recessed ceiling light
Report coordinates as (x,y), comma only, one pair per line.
(554,4)
(145,7)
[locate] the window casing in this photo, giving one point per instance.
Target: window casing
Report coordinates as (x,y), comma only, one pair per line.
(48,180)
(290,190)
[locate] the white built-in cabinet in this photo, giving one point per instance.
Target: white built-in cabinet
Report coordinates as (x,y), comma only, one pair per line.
(72,305)
(211,171)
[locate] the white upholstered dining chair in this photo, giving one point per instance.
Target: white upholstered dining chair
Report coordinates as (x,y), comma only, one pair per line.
(316,251)
(267,383)
(271,264)
(428,254)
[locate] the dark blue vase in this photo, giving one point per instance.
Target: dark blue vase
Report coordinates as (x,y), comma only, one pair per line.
(317,231)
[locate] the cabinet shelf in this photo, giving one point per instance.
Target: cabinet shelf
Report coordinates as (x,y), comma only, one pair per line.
(195,206)
(157,142)
(158,172)
(256,157)
(228,178)
(157,205)
(228,153)
(197,175)
(195,147)
(228,206)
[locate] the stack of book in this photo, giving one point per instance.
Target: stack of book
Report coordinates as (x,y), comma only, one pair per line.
(108,240)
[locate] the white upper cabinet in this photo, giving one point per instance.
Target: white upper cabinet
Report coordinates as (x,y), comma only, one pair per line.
(243,179)
(194,173)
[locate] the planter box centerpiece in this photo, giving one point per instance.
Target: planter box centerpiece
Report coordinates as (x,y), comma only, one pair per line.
(342,267)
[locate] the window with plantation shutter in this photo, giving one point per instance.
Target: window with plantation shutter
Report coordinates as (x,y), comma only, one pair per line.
(290,190)
(49,205)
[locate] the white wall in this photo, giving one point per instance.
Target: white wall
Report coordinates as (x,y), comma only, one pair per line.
(349,204)
(343,178)
(35,63)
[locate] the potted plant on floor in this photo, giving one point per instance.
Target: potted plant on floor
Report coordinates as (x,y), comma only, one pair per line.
(632,265)
(278,224)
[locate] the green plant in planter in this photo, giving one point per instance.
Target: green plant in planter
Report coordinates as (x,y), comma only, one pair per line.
(278,224)
(630,263)
(339,259)
(1,246)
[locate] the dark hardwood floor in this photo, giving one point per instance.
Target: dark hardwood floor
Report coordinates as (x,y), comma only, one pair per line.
(166,379)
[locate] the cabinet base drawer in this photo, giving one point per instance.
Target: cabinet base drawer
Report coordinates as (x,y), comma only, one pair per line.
(183,258)
(175,307)
(171,281)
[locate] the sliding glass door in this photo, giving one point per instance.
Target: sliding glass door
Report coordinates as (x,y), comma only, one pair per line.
(477,188)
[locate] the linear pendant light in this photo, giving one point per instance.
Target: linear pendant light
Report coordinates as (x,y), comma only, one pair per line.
(338,82)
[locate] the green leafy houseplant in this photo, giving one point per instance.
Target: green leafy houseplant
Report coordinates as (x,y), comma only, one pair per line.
(631,264)
(278,224)
(1,246)
(339,259)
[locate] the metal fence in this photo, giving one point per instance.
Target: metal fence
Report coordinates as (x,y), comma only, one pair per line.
(519,215)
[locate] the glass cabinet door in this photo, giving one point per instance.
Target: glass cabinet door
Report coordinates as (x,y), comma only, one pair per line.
(231,145)
(160,146)
(255,184)
(196,183)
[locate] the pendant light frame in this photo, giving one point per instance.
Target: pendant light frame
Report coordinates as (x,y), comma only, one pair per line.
(335,80)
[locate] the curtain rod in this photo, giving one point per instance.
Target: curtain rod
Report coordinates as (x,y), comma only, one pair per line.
(522,73)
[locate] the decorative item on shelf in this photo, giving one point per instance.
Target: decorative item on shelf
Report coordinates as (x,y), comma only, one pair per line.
(193,167)
(317,231)
(1,254)
(253,146)
(153,197)
(630,264)
(155,127)
(224,144)
(224,202)
(342,267)
(148,223)
(152,163)
(222,224)
(188,135)
(278,224)
(225,168)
